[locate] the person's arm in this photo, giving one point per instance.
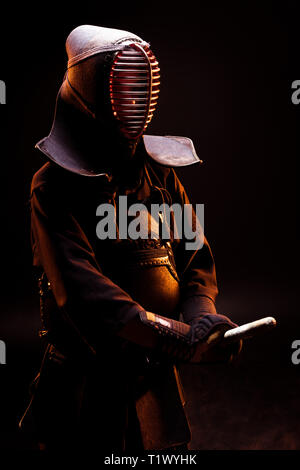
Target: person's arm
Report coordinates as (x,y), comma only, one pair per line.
(92,302)
(91,305)
(196,267)
(198,283)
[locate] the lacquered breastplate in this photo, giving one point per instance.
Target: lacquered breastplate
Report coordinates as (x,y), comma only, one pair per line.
(147,272)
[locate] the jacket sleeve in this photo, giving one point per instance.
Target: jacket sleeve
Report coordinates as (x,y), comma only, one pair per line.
(196,267)
(85,295)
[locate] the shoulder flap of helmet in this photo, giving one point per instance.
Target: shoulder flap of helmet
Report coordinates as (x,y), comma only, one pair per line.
(171,150)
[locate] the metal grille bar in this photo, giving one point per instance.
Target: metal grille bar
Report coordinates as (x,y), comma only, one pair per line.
(134,88)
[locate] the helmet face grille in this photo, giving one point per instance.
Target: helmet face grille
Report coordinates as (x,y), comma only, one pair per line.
(134,87)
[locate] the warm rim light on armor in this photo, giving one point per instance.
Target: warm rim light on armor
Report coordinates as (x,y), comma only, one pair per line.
(134,88)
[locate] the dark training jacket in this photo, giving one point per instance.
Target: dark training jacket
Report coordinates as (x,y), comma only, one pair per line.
(91,289)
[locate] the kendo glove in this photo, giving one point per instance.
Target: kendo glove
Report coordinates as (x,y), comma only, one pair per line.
(208,331)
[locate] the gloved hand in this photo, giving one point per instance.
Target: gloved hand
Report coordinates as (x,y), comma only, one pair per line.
(207,331)
(198,342)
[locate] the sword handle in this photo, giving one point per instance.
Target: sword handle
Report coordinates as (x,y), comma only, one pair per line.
(234,335)
(248,330)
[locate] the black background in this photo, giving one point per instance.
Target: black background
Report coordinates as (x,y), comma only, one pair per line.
(226,72)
